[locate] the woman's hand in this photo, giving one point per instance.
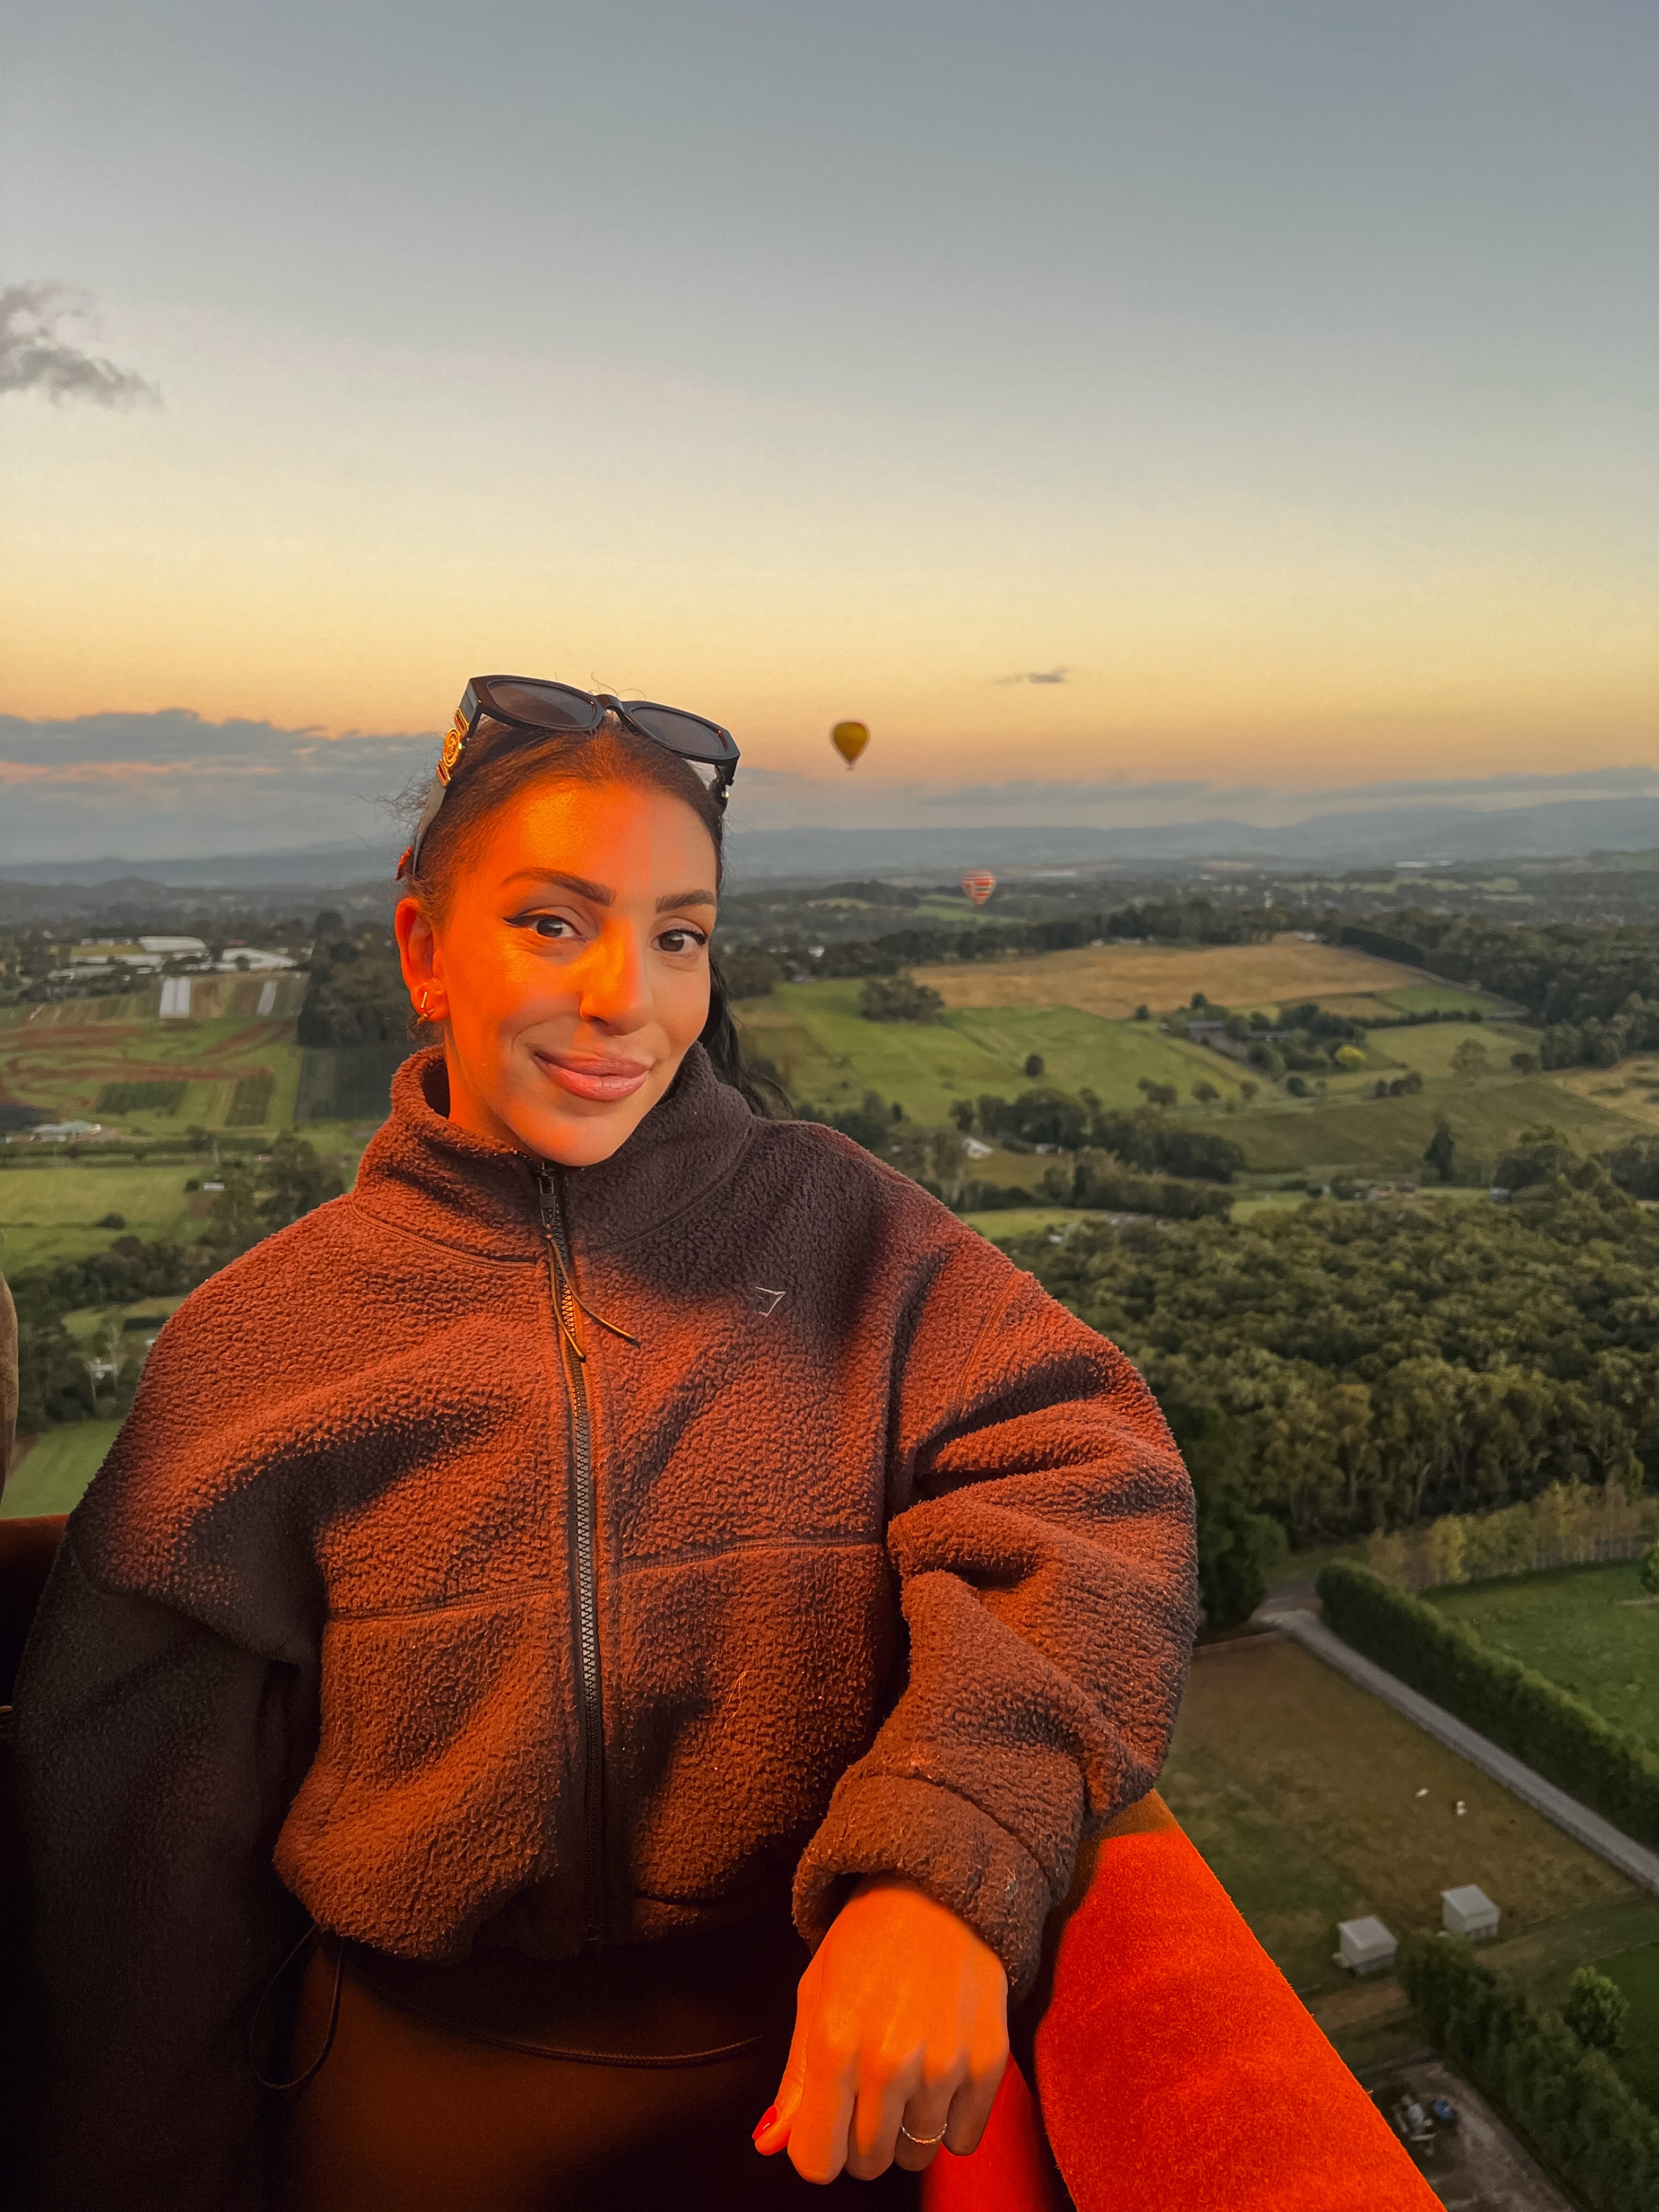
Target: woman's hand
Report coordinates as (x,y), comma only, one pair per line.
(902,2016)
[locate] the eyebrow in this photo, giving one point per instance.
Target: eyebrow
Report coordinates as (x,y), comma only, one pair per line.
(601,894)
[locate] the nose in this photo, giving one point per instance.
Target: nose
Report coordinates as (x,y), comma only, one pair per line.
(616,992)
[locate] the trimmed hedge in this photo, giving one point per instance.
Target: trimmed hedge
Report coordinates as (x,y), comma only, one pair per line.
(1599,2135)
(1558,1737)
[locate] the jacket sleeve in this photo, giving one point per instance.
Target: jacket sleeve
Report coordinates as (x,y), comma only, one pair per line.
(1048,1572)
(155,1759)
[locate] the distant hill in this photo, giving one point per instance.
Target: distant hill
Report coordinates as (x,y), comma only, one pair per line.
(1562,828)
(349,862)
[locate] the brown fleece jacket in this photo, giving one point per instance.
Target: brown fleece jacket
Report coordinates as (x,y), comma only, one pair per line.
(843,1548)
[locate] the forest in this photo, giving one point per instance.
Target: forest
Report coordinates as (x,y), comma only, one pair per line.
(1342,1368)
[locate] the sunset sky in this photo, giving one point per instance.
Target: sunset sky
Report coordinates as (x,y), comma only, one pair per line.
(1276,381)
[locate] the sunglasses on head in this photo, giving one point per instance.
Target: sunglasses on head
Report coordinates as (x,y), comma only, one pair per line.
(527,704)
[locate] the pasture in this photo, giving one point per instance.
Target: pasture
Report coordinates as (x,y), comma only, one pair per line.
(1593,1631)
(827,1055)
(1302,1793)
(1112,980)
(52,1474)
(57,1210)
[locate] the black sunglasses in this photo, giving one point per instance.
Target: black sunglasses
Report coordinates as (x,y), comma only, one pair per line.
(539,709)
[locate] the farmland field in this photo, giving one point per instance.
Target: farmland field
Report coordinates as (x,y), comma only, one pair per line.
(1113,980)
(56,1469)
(1302,1793)
(63,1057)
(52,1213)
(1593,1631)
(827,1055)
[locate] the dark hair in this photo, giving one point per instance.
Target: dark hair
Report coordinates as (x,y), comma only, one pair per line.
(501,761)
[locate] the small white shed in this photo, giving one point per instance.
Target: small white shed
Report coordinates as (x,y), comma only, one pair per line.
(1368,1947)
(1468,1911)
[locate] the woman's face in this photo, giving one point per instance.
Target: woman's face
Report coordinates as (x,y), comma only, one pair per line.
(570,969)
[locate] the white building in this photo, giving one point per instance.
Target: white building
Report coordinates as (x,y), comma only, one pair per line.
(1367,1946)
(1468,1911)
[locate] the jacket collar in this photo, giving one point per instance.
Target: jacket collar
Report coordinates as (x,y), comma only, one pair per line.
(424,1174)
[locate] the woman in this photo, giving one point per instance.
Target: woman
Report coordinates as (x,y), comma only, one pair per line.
(621,1517)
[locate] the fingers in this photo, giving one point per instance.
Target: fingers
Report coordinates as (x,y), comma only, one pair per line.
(776,2123)
(819,2135)
(971,2108)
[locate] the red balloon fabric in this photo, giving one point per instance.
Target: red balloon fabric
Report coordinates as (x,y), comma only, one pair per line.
(1174,2063)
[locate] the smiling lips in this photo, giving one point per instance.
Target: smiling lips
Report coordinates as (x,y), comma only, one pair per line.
(585,1077)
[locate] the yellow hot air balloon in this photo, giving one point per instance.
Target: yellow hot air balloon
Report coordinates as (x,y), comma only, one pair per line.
(849,739)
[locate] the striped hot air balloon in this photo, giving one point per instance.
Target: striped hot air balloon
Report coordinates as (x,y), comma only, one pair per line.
(979,883)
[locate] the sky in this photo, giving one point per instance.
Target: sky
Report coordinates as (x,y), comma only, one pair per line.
(1122,407)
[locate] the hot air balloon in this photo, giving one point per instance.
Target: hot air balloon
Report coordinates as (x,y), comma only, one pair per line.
(979,883)
(849,739)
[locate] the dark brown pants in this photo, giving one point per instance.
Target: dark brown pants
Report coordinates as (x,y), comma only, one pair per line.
(408,2115)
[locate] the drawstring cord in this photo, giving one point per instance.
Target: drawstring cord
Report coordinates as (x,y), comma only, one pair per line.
(306,1943)
(564,1281)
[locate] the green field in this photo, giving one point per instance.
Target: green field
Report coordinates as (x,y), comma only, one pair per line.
(1387,1136)
(828,1056)
(56,1469)
(1592,1630)
(1301,1791)
(50,1213)
(1438,999)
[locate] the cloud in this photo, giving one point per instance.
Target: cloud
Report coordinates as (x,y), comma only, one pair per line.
(35,355)
(1036,675)
(172,785)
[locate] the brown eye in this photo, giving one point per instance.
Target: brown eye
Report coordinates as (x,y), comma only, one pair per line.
(681,940)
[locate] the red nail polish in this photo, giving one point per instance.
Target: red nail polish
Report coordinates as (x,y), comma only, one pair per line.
(765,2121)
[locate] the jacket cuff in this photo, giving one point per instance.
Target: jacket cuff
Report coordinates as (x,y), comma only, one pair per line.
(946,1845)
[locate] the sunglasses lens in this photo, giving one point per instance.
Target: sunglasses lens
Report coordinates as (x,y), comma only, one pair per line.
(687,735)
(546,706)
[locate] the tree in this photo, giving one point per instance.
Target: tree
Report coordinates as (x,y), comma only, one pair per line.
(234,1222)
(899,999)
(1597,2010)
(936,1158)
(1157,1094)
(1650,1571)
(749,973)
(1470,1061)
(1441,1149)
(1524,1063)
(1143,1013)
(1204,1092)
(293,1180)
(1034,1065)
(961,1113)
(1248,1089)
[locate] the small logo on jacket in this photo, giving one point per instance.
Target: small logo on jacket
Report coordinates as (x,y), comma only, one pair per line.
(763,1300)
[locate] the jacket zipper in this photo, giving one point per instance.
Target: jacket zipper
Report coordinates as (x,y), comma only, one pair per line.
(568,1312)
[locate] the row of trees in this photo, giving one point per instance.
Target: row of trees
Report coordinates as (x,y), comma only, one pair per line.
(1551,2074)
(1142,1140)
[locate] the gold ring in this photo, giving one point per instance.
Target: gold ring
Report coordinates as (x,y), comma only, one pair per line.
(922,2142)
